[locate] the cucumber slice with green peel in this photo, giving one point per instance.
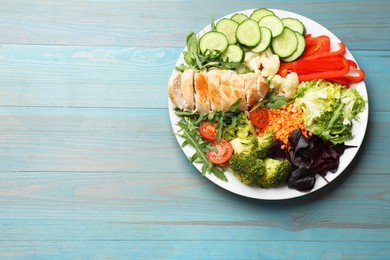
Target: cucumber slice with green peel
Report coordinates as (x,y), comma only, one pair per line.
(294,24)
(260,13)
(265,42)
(300,48)
(213,44)
(228,27)
(248,33)
(233,53)
(239,17)
(284,44)
(273,23)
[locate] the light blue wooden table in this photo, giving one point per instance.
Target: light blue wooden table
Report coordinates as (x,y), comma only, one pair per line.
(90,168)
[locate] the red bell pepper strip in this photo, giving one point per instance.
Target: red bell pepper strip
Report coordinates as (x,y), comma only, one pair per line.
(357,78)
(330,74)
(315,65)
(341,80)
(352,64)
(340,51)
(309,39)
(316,45)
(308,66)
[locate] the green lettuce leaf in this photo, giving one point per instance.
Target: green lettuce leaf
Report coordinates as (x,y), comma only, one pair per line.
(329,109)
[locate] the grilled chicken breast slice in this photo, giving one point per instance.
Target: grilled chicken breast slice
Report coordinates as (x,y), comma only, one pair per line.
(202,100)
(251,90)
(237,84)
(262,87)
(174,90)
(226,93)
(214,80)
(187,88)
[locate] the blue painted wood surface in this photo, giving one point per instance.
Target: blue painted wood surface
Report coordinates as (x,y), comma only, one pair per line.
(90,168)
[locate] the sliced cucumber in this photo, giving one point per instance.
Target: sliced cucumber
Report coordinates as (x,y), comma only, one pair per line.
(248,33)
(273,23)
(233,53)
(228,27)
(239,17)
(294,24)
(300,48)
(260,13)
(213,44)
(285,43)
(265,41)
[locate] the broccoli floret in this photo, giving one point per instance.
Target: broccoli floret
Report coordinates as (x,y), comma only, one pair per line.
(247,162)
(247,168)
(242,128)
(244,145)
(264,143)
(255,145)
(276,172)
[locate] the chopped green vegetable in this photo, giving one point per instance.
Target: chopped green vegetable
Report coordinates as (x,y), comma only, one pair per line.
(276,173)
(241,127)
(247,168)
(264,143)
(329,109)
(245,145)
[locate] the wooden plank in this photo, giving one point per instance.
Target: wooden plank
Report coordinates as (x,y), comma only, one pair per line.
(120,77)
(85,76)
(134,206)
(65,139)
(226,250)
(126,23)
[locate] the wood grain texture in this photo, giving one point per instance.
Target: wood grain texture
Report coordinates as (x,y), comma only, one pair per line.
(108,206)
(90,167)
(180,250)
(361,24)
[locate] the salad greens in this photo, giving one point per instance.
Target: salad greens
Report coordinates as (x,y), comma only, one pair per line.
(189,132)
(198,61)
(312,156)
(329,109)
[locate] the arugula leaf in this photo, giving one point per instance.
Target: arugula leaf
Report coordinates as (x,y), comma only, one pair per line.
(189,132)
(272,100)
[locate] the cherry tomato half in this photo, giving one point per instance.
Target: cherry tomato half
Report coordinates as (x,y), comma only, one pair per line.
(223,153)
(259,117)
(208,130)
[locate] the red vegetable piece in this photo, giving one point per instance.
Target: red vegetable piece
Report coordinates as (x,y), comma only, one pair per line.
(309,39)
(224,151)
(316,45)
(341,80)
(356,79)
(352,64)
(259,117)
(330,74)
(340,51)
(208,131)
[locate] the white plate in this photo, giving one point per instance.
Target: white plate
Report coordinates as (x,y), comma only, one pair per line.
(284,192)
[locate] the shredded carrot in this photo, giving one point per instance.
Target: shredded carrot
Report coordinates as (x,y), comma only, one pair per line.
(284,121)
